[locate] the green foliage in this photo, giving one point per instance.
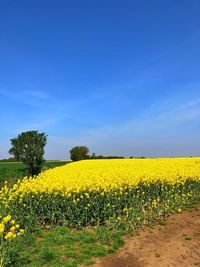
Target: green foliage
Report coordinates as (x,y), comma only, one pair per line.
(9,232)
(122,208)
(12,171)
(79,153)
(94,156)
(48,255)
(12,159)
(28,147)
(65,247)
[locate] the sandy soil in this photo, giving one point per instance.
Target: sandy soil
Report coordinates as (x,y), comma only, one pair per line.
(175,243)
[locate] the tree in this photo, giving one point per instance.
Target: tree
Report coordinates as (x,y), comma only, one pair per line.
(79,153)
(28,147)
(93,156)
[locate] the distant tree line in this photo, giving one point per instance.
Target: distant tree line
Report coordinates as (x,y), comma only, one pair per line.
(82,152)
(28,147)
(12,159)
(94,156)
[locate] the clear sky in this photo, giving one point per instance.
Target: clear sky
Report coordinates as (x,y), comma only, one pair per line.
(121,77)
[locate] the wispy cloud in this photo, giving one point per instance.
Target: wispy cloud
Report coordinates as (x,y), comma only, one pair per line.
(40,125)
(36,94)
(27,98)
(162,128)
(162,124)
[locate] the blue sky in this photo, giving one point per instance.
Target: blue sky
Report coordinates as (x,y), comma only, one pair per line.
(122,77)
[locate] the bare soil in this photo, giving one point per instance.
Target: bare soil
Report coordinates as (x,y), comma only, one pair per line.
(174,243)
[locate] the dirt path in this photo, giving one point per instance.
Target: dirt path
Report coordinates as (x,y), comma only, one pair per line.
(175,243)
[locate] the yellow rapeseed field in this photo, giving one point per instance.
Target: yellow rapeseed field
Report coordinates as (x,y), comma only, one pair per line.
(94,175)
(92,191)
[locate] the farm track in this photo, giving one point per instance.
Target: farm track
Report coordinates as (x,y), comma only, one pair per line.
(175,243)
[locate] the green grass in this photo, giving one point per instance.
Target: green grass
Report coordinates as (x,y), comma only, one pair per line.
(162,223)
(11,171)
(65,247)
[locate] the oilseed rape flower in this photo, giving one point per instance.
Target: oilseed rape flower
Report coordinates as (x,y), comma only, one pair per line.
(8,231)
(93,191)
(8,228)
(2,227)
(7,219)
(10,235)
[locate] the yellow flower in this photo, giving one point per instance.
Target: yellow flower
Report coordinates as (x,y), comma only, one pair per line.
(7,219)
(12,228)
(21,231)
(2,227)
(9,235)
(17,226)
